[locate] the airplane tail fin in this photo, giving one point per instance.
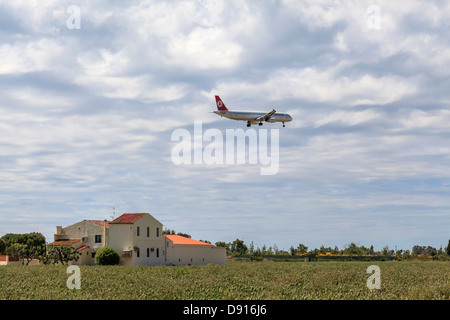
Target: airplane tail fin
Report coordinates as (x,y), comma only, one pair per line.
(220,104)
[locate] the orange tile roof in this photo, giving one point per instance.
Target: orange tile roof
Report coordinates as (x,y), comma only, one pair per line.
(64,242)
(101,223)
(83,248)
(128,218)
(176,239)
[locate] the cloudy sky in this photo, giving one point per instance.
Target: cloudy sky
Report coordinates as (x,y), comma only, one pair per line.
(91,93)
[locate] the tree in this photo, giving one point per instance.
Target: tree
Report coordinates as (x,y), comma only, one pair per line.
(168,231)
(222,244)
(433,252)
(16,250)
(107,256)
(363,250)
(30,239)
(447,250)
(352,249)
(2,246)
(10,238)
(301,248)
(422,250)
(275,249)
(26,246)
(417,249)
(60,254)
(335,250)
(238,247)
(264,250)
(184,234)
(324,250)
(251,249)
(293,251)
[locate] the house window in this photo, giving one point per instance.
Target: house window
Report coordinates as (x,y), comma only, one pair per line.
(157,252)
(98,238)
(148,232)
(137,232)
(157,232)
(137,253)
(148,252)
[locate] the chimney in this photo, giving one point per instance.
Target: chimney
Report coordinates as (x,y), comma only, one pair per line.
(59,233)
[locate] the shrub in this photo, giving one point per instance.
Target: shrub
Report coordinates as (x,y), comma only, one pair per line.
(107,256)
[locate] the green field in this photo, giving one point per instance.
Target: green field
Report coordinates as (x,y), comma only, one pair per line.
(235,280)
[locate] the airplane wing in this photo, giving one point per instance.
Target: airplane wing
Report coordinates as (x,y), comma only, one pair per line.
(266,116)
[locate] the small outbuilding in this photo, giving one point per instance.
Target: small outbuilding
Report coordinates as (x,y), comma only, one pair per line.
(182,250)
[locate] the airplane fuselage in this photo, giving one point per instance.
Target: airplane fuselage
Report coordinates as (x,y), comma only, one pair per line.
(252,116)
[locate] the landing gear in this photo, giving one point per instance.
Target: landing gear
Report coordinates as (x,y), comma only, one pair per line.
(283,125)
(248,124)
(260,123)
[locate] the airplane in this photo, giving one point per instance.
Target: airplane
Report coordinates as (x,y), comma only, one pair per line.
(251,117)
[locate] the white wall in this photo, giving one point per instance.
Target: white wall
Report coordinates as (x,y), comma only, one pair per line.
(125,237)
(195,254)
(84,229)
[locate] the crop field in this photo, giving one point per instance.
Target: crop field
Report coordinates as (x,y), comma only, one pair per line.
(235,280)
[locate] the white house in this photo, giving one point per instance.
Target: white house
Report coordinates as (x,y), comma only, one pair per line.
(87,236)
(139,240)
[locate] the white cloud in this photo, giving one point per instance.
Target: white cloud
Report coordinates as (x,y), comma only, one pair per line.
(328,86)
(28,96)
(86,114)
(89,132)
(349,118)
(192,35)
(432,121)
(355,158)
(36,17)
(317,14)
(23,56)
(205,48)
(103,62)
(108,73)
(142,88)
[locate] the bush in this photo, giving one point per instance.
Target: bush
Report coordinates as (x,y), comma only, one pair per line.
(107,256)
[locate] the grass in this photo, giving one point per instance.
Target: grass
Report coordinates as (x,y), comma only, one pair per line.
(235,280)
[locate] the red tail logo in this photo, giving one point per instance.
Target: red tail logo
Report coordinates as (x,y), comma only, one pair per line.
(220,104)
